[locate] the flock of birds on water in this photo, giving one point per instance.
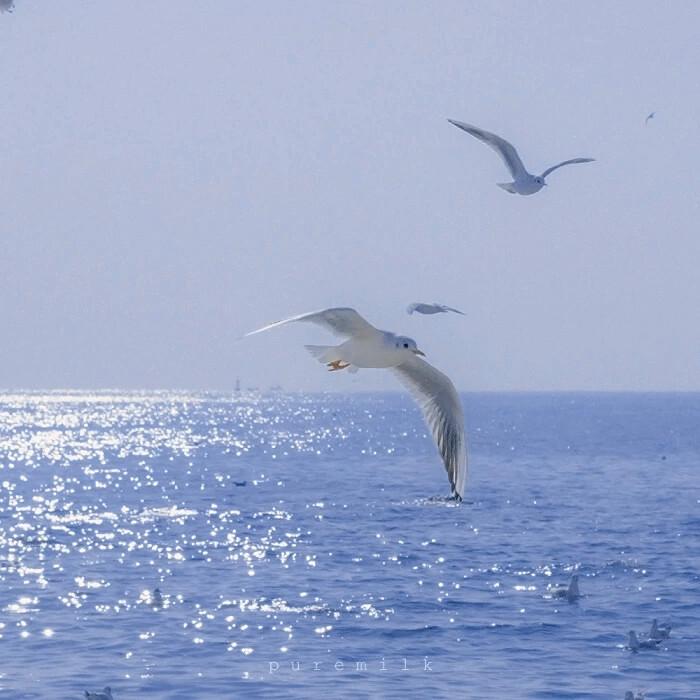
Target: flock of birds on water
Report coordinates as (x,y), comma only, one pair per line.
(651,642)
(569,592)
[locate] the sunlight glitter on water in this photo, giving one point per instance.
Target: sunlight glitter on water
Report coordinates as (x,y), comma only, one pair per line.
(76,528)
(104,501)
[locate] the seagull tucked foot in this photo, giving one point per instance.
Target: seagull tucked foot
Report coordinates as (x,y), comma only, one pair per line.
(337,364)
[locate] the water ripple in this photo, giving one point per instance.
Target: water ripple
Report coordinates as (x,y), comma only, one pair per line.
(236,542)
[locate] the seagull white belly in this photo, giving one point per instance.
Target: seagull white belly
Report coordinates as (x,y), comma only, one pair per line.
(369,354)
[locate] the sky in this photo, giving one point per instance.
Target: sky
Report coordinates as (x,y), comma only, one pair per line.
(178,173)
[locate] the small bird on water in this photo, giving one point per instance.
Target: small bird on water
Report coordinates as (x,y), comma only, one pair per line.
(657,632)
(636,644)
(106,694)
(570,592)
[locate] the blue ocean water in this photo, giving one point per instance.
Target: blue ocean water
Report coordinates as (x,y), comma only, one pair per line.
(303,545)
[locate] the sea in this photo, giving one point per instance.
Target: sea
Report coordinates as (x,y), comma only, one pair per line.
(274,545)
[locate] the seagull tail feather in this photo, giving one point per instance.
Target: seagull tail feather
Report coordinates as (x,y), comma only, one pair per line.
(324,353)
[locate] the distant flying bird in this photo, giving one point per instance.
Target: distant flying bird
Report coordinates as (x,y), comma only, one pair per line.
(431,308)
(367,346)
(523,181)
(570,592)
(651,116)
(637,644)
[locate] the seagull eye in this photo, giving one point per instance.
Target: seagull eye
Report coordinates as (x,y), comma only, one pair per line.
(405,345)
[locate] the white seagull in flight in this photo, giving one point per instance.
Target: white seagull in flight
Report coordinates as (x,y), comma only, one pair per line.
(422,308)
(367,346)
(523,181)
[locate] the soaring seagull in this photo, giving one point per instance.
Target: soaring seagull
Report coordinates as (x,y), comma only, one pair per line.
(523,181)
(367,346)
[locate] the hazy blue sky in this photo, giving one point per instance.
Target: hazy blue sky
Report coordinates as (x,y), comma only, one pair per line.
(177,173)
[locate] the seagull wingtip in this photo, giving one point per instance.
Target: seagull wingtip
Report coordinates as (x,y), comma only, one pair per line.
(245,335)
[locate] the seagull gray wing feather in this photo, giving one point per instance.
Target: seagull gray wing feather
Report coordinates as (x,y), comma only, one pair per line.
(437,397)
(340,320)
(423,308)
(566,162)
(504,149)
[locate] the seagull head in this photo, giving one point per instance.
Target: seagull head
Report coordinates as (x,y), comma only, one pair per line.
(404,343)
(539,180)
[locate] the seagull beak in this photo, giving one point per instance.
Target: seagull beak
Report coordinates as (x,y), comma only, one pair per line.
(418,352)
